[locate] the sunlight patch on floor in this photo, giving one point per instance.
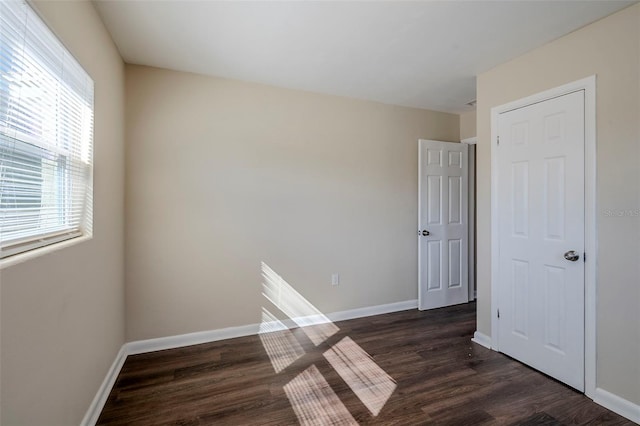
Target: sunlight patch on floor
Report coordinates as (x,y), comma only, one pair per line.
(281,345)
(314,402)
(365,378)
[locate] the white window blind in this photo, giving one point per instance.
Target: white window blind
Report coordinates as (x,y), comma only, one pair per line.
(46,135)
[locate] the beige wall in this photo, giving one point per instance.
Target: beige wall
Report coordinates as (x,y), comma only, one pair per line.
(63,313)
(222,175)
(468,125)
(610,49)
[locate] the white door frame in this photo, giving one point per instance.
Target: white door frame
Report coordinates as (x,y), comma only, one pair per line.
(472,215)
(589,86)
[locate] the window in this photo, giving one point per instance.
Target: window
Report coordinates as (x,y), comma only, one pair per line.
(46,136)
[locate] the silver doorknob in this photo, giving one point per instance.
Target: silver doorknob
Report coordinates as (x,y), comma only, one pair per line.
(425,232)
(572,255)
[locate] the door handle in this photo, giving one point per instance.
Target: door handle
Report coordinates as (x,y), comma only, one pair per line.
(572,255)
(425,233)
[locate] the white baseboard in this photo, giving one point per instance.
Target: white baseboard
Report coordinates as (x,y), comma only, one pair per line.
(178,341)
(181,340)
(617,404)
(481,339)
(373,310)
(91,417)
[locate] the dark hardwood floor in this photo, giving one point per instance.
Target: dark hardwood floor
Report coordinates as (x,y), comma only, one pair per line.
(421,368)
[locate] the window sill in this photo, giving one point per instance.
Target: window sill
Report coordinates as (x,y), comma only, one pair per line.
(32,254)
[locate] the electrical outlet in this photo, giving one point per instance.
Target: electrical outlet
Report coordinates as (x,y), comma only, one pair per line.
(335,279)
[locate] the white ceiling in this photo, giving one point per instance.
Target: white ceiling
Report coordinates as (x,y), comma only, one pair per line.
(420,54)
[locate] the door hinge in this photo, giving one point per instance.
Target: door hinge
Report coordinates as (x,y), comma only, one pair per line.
(498,140)
(498,313)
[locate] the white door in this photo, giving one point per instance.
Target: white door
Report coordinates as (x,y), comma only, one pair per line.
(541,236)
(442,224)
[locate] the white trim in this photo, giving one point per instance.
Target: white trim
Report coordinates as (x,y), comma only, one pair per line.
(481,339)
(471,217)
(181,340)
(178,341)
(591,243)
(617,404)
(470,141)
(589,86)
(32,254)
(21,245)
(419,216)
(96,406)
(373,310)
(495,248)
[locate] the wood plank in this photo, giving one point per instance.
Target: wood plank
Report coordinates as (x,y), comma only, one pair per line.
(441,378)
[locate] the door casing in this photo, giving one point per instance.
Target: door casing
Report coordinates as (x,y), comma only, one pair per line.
(472,215)
(589,86)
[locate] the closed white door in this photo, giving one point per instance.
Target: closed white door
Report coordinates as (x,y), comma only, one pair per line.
(541,236)
(442,224)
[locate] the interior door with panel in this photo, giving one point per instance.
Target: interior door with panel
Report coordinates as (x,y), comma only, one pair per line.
(541,220)
(442,224)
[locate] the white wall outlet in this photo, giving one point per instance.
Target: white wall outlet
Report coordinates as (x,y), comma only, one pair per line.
(335,279)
